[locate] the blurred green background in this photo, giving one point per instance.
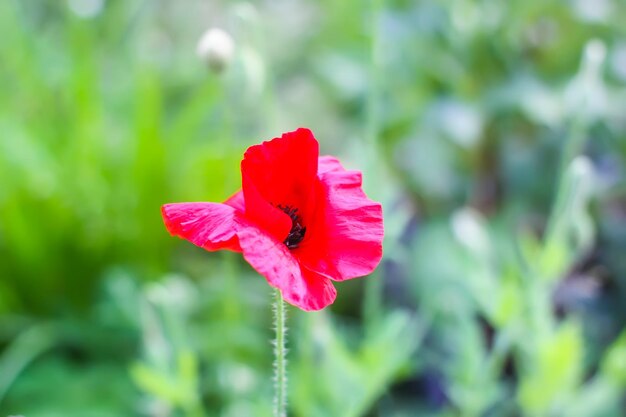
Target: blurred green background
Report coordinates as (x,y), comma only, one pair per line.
(494,133)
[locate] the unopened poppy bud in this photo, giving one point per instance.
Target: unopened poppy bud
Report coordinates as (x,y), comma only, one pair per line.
(595,54)
(216,47)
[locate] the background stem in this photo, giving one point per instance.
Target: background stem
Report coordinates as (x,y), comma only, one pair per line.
(373,285)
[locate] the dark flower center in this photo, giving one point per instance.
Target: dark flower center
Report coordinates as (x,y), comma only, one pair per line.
(296,234)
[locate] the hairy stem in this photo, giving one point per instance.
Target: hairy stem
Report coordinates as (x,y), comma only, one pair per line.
(280,353)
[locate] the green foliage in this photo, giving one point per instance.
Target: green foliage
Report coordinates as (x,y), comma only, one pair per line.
(555,372)
(355,375)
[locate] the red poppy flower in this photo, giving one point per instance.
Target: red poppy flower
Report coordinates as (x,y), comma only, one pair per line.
(300,220)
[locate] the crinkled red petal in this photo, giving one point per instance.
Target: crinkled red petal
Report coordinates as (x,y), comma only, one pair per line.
(211,226)
(282,171)
(259,211)
(299,286)
(345,239)
(328,163)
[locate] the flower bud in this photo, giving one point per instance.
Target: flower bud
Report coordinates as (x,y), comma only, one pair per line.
(216,48)
(86,8)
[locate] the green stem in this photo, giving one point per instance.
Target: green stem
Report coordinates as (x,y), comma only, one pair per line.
(372,122)
(572,147)
(372,303)
(280,353)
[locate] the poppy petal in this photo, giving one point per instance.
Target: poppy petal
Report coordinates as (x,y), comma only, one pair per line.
(301,287)
(346,237)
(258,210)
(211,226)
(328,163)
(283,170)
(237,201)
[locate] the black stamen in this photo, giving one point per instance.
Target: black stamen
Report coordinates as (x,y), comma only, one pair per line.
(296,234)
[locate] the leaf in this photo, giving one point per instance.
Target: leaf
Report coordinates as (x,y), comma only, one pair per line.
(354,377)
(556,371)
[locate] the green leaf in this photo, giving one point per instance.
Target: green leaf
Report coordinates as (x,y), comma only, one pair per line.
(555,372)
